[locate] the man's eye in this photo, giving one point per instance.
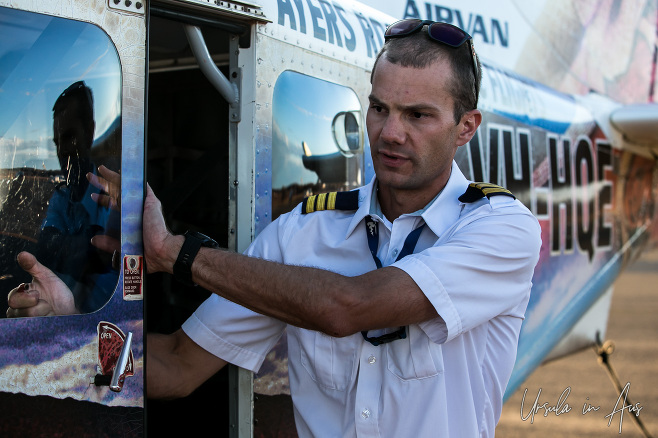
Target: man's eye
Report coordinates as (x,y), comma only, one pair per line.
(418,115)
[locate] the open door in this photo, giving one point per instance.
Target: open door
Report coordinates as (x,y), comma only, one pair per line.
(72,100)
(196,69)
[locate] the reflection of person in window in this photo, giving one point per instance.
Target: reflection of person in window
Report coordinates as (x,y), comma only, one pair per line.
(73,216)
(47,294)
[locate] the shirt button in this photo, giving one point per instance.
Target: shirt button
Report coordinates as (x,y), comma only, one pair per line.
(395,252)
(372,359)
(365,413)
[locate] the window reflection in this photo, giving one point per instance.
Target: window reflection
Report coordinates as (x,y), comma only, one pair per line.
(317,144)
(60,116)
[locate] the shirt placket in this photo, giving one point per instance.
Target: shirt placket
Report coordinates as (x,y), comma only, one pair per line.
(372,360)
(401,229)
(366,408)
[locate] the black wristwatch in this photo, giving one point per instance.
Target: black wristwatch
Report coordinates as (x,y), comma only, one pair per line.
(193,243)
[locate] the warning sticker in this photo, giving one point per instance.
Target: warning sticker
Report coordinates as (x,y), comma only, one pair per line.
(133,277)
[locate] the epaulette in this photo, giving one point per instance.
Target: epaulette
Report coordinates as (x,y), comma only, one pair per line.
(479,190)
(331,201)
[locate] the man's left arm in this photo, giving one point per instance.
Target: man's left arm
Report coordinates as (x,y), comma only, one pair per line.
(305,297)
(334,304)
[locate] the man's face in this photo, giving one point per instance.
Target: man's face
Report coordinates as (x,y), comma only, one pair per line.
(411,127)
(73,140)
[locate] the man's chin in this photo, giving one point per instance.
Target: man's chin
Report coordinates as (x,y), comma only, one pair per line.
(393,174)
(397,182)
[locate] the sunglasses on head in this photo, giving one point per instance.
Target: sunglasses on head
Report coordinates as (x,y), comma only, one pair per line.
(442,32)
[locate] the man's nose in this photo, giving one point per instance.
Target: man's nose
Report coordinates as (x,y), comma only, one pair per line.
(393,130)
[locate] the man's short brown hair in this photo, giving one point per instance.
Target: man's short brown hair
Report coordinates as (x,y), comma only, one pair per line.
(418,50)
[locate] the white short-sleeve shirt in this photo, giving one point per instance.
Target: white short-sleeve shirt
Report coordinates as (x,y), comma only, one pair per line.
(473,261)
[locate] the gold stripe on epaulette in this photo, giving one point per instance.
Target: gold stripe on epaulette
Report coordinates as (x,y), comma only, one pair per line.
(319,206)
(310,204)
(490,189)
(331,203)
(477,191)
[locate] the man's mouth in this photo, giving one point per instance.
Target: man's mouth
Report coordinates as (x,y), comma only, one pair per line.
(392,160)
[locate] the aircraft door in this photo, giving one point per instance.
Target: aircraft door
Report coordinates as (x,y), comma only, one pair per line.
(194,110)
(71,186)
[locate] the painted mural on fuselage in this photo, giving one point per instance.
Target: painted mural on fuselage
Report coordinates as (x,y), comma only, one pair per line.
(528,127)
(543,144)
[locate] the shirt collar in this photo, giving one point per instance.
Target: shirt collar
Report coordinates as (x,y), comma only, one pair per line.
(365,196)
(446,208)
(439,214)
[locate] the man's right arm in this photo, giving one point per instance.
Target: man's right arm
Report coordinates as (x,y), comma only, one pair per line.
(176,365)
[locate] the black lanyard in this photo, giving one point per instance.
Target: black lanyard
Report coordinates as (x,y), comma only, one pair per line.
(372,232)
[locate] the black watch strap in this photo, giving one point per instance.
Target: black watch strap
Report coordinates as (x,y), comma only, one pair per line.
(193,243)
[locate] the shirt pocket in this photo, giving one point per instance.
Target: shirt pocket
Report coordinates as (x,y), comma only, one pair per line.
(415,357)
(330,362)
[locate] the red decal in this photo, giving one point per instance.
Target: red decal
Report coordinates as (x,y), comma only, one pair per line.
(110,342)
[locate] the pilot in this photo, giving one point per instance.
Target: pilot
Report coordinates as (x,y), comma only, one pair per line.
(73,218)
(403,299)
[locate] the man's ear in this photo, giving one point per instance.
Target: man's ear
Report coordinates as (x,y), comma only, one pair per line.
(468,125)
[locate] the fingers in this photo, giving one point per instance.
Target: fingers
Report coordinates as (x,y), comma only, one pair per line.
(106,243)
(24,301)
(41,309)
(110,175)
(150,195)
(153,215)
(104,200)
(31,265)
(47,294)
(107,181)
(155,235)
(22,297)
(110,183)
(95,181)
(28,263)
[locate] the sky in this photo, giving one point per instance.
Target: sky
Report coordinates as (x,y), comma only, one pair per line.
(39,57)
(305,107)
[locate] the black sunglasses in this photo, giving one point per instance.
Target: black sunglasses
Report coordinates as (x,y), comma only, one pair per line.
(442,32)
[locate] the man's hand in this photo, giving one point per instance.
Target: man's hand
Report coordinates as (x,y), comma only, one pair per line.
(160,246)
(45,295)
(109,245)
(110,182)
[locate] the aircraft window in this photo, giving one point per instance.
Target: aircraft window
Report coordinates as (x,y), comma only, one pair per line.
(60,120)
(318,140)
